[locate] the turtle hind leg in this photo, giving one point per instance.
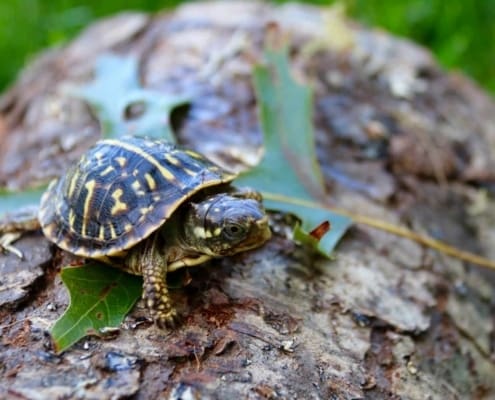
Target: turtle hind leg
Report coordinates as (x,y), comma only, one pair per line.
(155,291)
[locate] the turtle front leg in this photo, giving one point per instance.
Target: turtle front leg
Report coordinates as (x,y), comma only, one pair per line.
(155,291)
(13,225)
(6,243)
(156,296)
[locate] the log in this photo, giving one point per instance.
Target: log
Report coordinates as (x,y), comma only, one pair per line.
(398,138)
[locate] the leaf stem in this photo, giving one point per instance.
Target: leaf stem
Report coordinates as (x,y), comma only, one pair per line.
(391,228)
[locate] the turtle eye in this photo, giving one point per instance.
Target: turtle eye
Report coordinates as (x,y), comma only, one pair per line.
(234,231)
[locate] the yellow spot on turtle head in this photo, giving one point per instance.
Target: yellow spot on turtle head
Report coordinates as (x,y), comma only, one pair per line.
(217,231)
(119,205)
(136,185)
(199,231)
(202,233)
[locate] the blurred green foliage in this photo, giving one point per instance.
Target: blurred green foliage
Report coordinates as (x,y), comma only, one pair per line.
(29,26)
(460,32)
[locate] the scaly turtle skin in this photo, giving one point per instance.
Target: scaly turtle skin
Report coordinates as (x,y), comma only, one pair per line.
(149,207)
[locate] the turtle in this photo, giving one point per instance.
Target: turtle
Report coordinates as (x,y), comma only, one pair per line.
(150,207)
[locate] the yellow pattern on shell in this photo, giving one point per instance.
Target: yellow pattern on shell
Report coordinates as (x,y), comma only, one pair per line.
(121,161)
(136,185)
(146,210)
(189,172)
(172,160)
(150,181)
(101,233)
(90,187)
(72,184)
(107,170)
(72,218)
(112,230)
(134,149)
(119,205)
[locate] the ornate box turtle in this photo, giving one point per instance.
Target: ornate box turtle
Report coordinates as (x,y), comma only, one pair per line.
(149,208)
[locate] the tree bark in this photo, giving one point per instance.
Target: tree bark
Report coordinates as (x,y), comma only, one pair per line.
(398,139)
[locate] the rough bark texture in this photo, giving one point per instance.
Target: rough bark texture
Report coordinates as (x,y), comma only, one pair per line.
(398,139)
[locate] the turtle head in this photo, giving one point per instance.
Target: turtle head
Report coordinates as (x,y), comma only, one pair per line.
(224,224)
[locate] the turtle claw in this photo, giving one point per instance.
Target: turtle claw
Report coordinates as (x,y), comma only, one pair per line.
(166,320)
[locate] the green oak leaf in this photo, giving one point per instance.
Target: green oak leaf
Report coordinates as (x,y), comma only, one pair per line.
(122,106)
(99,298)
(289,176)
(11,202)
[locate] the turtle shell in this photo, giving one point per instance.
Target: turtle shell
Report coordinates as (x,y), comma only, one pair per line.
(120,192)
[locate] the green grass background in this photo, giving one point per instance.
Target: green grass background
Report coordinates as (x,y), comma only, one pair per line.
(461,33)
